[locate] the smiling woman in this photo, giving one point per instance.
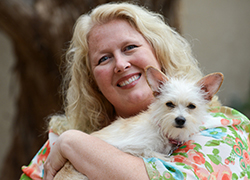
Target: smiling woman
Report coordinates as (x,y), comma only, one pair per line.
(105,79)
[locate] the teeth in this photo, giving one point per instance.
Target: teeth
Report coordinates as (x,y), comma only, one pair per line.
(130,80)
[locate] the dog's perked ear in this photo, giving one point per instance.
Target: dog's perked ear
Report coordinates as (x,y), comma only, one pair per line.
(211,84)
(155,79)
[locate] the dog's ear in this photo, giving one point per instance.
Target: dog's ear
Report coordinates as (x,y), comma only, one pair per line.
(211,84)
(155,79)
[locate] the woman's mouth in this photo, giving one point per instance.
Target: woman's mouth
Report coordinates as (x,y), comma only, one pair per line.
(129,81)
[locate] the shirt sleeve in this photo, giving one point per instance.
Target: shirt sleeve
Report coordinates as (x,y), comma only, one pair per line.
(35,169)
(221,150)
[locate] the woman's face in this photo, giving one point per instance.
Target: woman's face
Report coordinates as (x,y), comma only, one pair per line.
(118,55)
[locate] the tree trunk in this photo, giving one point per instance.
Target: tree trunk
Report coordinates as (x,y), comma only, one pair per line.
(40,31)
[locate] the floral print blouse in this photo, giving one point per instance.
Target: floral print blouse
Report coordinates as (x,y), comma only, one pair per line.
(220,151)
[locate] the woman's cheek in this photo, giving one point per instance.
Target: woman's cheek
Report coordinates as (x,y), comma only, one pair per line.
(101,75)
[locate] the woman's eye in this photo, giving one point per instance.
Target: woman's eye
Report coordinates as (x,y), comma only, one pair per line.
(130,47)
(104,58)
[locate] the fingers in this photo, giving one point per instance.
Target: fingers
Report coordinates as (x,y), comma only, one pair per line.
(49,172)
(55,160)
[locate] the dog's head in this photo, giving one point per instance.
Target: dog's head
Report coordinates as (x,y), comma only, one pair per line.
(181,105)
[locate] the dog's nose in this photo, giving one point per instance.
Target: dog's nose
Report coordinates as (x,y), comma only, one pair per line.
(180,121)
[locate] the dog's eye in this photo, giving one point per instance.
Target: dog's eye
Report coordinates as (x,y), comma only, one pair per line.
(170,104)
(191,106)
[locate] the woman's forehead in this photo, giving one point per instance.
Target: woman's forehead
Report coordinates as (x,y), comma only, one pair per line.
(115,30)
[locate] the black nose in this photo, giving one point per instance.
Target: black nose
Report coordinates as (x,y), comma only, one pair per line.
(180,121)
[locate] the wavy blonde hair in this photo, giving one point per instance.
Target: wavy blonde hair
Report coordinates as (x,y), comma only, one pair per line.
(86,108)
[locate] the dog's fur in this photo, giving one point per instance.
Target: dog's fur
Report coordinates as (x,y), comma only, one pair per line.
(178,111)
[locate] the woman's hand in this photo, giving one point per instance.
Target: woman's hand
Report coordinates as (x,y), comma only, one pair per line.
(56,159)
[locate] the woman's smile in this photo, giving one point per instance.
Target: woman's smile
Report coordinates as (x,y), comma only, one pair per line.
(129,81)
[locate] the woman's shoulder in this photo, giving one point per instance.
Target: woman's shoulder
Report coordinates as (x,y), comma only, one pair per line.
(223,116)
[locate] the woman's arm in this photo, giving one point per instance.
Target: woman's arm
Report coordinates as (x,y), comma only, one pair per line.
(93,157)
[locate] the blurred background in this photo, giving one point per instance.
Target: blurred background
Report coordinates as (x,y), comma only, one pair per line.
(219,32)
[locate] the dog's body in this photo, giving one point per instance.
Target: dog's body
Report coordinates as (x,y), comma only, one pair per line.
(177,112)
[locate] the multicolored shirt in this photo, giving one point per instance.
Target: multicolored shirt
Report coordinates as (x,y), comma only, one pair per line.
(220,151)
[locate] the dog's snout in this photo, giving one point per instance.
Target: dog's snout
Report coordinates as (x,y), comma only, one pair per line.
(180,121)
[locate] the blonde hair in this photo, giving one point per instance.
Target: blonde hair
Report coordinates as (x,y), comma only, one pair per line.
(86,108)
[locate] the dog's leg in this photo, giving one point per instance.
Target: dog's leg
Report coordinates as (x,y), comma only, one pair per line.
(68,172)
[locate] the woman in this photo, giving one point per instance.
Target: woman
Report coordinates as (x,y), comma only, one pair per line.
(105,78)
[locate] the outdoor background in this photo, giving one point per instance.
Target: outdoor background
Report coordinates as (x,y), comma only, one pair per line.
(219,32)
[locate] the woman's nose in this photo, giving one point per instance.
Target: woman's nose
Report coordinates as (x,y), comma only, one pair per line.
(121,64)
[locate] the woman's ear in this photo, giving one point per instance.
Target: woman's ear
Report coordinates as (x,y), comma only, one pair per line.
(211,84)
(155,79)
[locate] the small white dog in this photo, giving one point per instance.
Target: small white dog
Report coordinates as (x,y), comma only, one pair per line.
(179,109)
